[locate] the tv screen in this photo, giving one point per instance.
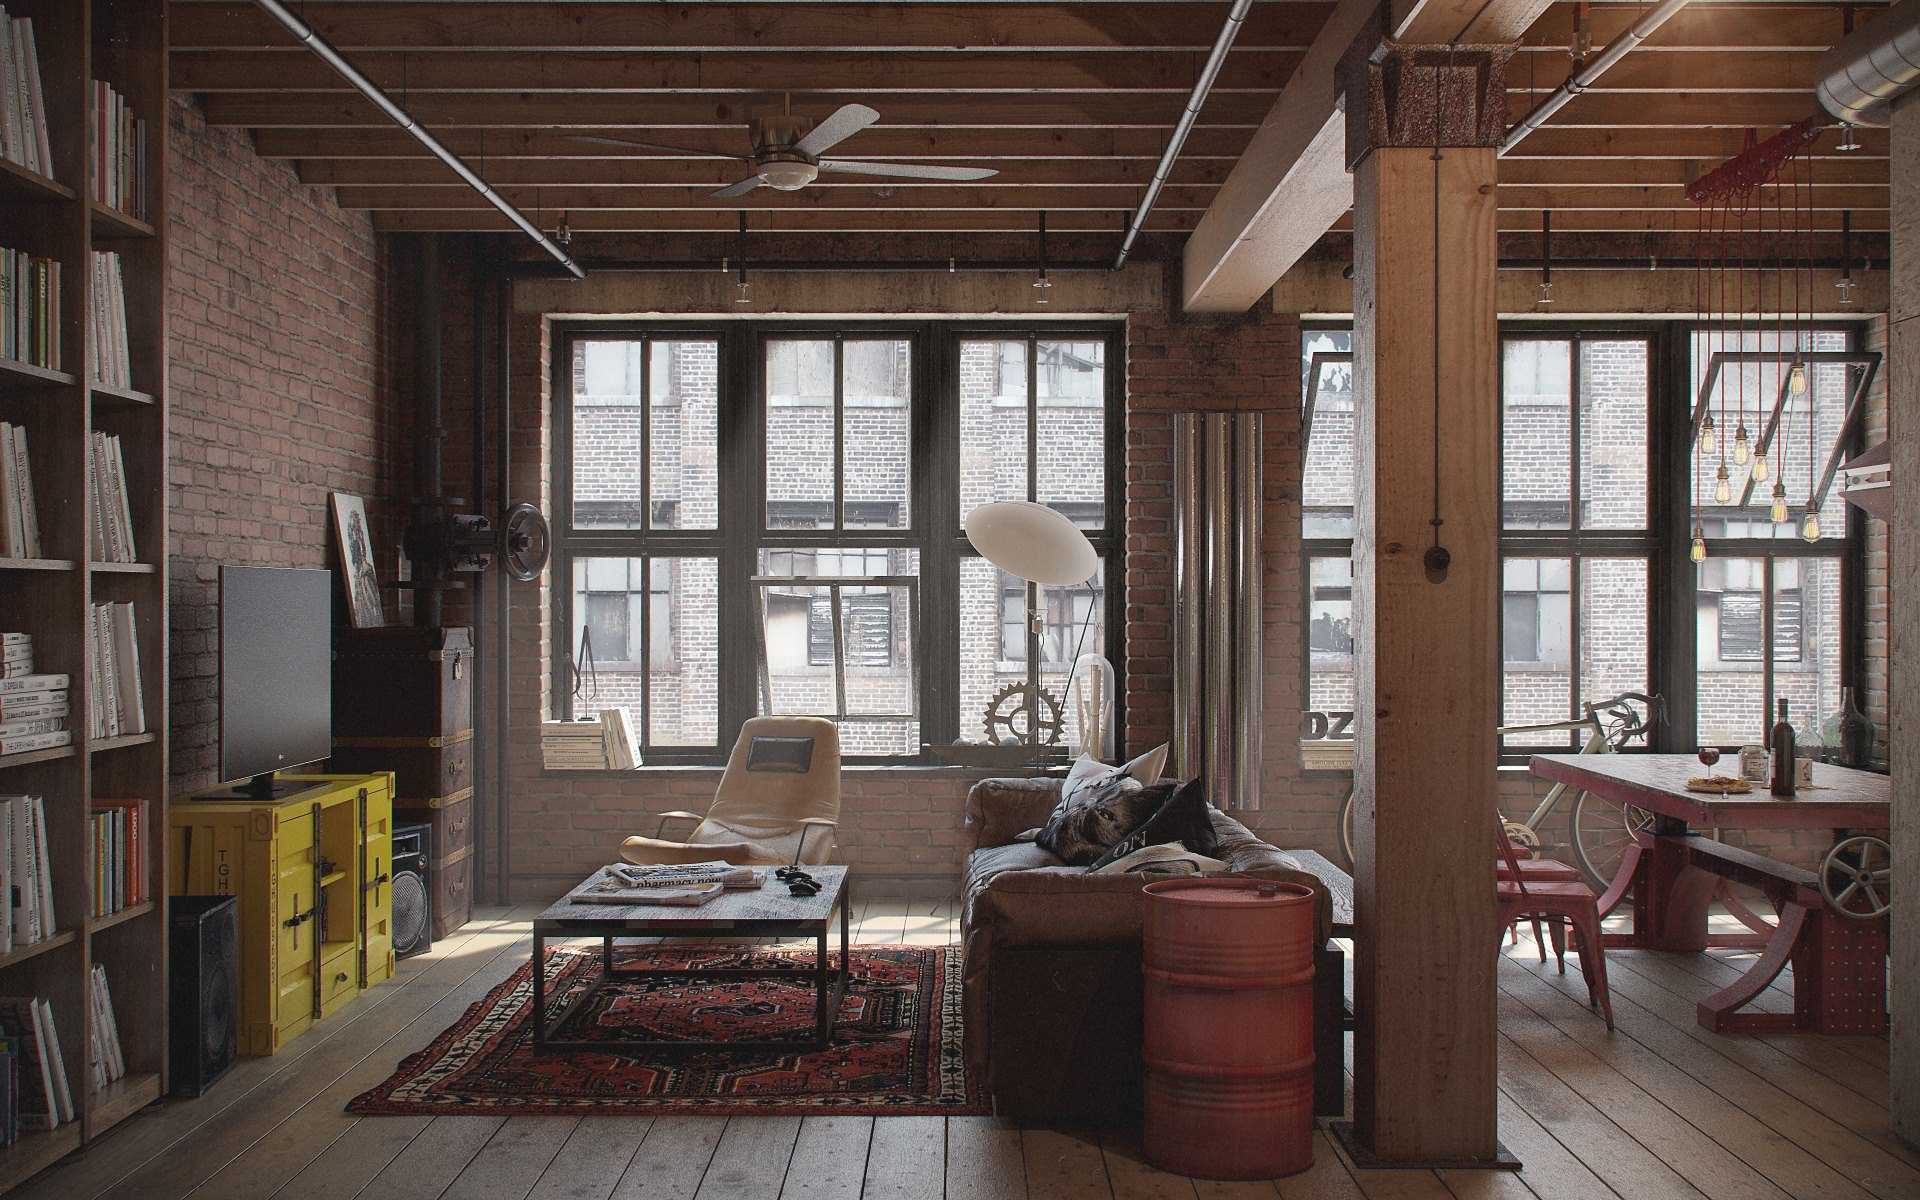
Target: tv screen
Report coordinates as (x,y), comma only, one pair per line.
(276,669)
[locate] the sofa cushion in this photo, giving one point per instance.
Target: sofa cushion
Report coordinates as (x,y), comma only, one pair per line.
(1186,818)
(1098,814)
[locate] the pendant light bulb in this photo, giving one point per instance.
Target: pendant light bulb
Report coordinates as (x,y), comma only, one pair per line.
(1779,512)
(1741,450)
(1698,551)
(1759,468)
(1848,143)
(1546,293)
(1041,287)
(1797,379)
(1846,285)
(1709,435)
(1722,487)
(743,292)
(1810,528)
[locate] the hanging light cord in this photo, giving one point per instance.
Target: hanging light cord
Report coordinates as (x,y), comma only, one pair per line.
(1437,556)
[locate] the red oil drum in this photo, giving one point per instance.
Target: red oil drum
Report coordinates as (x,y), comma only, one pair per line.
(1229,1027)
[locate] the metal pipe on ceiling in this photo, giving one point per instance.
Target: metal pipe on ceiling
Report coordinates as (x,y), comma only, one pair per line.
(1216,58)
(346,70)
(1589,74)
(1871,67)
(536,270)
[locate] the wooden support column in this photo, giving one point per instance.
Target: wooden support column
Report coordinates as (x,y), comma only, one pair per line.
(1427,675)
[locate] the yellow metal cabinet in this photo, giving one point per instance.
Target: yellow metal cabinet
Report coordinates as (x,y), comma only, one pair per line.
(313,872)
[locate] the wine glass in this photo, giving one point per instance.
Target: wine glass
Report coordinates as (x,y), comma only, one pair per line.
(1709,755)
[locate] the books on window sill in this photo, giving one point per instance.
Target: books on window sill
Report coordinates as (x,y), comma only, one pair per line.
(19,515)
(30,309)
(119,169)
(112,533)
(44,1097)
(107,323)
(601,742)
(104,1056)
(118,707)
(23,124)
(26,881)
(119,859)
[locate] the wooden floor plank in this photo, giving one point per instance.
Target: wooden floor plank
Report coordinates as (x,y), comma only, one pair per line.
(750,1163)
(1549,1168)
(1327,1179)
(1133,1178)
(593,1160)
(829,1159)
(1486,1185)
(983,1160)
(355,1157)
(907,1160)
(436,1159)
(1395,1184)
(513,1160)
(672,1159)
(1064,1165)
(884,923)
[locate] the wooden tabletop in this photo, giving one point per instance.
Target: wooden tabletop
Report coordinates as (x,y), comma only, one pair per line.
(762,907)
(1841,798)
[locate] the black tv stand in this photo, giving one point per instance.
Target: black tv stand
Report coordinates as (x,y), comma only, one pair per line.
(265,787)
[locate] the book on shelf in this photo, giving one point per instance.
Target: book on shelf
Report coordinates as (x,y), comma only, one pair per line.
(23,131)
(119,169)
(27,1021)
(20,528)
(105,1057)
(9,1090)
(118,706)
(29,877)
(119,860)
(107,323)
(112,532)
(30,308)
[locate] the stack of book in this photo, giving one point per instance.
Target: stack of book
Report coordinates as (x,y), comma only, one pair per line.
(119,861)
(601,742)
(112,515)
(107,323)
(23,124)
(26,881)
(44,1099)
(118,709)
(33,708)
(119,153)
(30,309)
(104,1056)
(20,528)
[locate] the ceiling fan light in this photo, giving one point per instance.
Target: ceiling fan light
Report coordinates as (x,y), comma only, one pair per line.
(788,175)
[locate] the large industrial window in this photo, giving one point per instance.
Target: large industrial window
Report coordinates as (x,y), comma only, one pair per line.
(766,518)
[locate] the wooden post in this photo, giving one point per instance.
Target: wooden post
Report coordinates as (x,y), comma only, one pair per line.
(1427,670)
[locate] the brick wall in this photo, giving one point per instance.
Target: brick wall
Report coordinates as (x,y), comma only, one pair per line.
(275,386)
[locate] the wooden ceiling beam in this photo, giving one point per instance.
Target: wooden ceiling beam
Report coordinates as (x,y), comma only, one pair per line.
(1646,221)
(1709,145)
(1764,111)
(794,221)
(1684,72)
(716,172)
(524,25)
(311,110)
(870,198)
(1761,26)
(1858,198)
(1460,22)
(800,71)
(1609,173)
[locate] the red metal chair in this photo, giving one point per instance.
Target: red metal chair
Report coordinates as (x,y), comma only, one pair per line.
(1540,870)
(1572,901)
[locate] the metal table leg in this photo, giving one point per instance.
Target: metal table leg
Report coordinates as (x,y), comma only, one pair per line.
(539,989)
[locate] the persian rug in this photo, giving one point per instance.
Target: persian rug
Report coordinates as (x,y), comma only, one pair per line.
(896,1045)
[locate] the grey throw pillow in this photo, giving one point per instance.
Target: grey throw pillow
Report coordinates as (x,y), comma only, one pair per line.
(1186,818)
(1098,814)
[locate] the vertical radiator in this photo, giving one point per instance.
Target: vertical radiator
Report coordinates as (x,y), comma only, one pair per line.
(1218,681)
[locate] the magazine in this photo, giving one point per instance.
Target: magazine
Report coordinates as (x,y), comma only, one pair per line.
(608,888)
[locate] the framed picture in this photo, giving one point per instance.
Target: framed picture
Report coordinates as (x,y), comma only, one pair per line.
(355,539)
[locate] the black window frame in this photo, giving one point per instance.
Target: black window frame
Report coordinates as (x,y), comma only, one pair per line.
(742,529)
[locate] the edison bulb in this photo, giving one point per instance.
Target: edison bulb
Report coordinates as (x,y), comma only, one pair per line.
(1741,451)
(743,292)
(1759,468)
(1709,435)
(1698,551)
(1797,379)
(1810,528)
(1779,513)
(1722,487)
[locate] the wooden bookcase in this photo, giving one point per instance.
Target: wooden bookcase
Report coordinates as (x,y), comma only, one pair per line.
(123,42)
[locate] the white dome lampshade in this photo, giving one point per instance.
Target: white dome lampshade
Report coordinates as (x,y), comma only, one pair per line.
(1033,542)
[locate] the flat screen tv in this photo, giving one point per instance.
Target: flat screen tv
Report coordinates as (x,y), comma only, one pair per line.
(276,673)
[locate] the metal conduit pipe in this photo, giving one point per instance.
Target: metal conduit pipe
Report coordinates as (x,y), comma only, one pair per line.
(319,45)
(1871,67)
(1589,74)
(1216,59)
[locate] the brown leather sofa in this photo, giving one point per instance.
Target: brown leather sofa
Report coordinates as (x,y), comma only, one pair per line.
(1052,993)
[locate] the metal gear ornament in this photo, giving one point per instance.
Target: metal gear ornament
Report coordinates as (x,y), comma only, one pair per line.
(1019,709)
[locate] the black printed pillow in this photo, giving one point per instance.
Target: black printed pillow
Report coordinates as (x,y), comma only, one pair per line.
(1098,814)
(1186,818)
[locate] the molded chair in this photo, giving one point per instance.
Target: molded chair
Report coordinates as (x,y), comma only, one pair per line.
(1572,901)
(779,801)
(1534,869)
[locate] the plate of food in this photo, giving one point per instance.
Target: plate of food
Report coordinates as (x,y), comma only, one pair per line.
(1719,785)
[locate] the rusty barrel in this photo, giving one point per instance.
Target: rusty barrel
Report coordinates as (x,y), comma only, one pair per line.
(1229,1027)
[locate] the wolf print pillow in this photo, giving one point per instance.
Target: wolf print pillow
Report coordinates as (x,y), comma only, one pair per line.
(1099,813)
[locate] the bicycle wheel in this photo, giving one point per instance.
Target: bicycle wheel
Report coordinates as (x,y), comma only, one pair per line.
(1602,831)
(1346,829)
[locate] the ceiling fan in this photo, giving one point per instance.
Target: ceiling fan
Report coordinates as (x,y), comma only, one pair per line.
(787,149)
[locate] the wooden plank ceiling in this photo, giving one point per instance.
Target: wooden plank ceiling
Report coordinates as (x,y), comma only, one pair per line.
(1070,102)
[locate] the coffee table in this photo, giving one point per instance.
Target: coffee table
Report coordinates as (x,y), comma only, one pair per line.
(770,911)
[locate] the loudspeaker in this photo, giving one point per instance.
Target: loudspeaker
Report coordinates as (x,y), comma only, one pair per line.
(412,889)
(203,985)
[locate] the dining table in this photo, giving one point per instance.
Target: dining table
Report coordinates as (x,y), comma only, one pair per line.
(1678,866)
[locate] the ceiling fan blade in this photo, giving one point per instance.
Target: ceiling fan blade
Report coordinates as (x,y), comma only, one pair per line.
(614,141)
(842,166)
(848,120)
(737,189)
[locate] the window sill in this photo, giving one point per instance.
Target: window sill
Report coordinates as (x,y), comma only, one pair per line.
(684,770)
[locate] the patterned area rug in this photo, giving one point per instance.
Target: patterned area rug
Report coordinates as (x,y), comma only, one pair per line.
(896,1043)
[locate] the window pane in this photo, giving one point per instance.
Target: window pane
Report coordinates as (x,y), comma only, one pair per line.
(1536,481)
(1326,491)
(1071,385)
(876,645)
(799,391)
(1730,617)
(878,442)
(683,404)
(1536,642)
(1806,640)
(993,423)
(1613,434)
(1613,628)
(609,486)
(679,669)
(1328,724)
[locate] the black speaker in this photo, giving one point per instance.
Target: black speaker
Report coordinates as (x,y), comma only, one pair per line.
(412,889)
(203,984)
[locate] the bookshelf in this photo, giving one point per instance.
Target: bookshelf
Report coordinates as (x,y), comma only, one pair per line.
(54,214)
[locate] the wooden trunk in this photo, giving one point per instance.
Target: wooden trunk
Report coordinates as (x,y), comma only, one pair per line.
(403,682)
(428,769)
(451,871)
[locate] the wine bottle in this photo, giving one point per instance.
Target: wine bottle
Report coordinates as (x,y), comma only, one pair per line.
(1780,744)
